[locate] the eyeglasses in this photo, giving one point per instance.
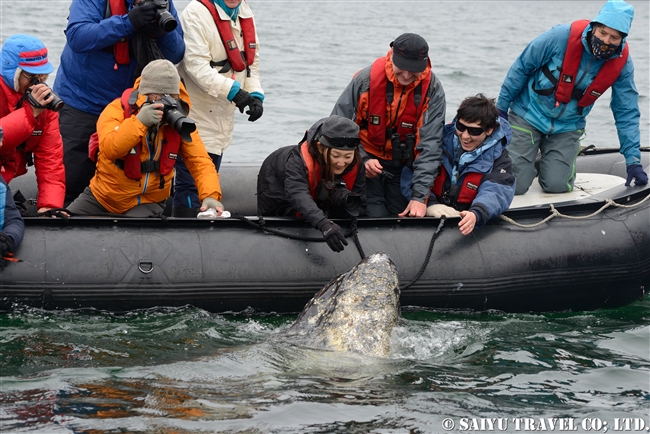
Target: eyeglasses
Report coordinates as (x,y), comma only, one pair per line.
(38,78)
(473,131)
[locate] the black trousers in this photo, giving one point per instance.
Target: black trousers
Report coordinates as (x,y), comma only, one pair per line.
(385,197)
(76,128)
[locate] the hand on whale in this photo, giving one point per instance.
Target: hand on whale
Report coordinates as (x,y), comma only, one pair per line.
(356,311)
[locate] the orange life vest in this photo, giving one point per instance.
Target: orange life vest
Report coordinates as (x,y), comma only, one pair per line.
(239,60)
(314,172)
(605,78)
(381,91)
(463,196)
(121,47)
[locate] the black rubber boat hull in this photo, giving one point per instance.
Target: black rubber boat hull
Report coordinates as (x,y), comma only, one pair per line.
(228,265)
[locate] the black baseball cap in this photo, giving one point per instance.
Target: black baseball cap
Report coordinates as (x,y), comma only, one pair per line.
(410,52)
(339,132)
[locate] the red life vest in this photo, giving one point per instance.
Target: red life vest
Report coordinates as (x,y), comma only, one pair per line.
(163,163)
(314,172)
(605,78)
(377,98)
(465,194)
(121,47)
(239,60)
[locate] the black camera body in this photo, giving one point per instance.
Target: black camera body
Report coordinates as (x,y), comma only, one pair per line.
(339,197)
(165,19)
(174,115)
(403,151)
(55,105)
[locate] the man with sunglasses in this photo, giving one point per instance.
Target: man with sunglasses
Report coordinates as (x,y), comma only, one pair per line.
(399,104)
(475,181)
(31,127)
(551,88)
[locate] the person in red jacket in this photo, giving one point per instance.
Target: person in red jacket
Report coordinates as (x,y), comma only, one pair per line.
(29,119)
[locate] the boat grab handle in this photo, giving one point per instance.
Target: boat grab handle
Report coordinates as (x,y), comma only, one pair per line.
(145,266)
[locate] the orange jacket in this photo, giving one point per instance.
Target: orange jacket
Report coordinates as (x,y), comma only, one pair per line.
(117,136)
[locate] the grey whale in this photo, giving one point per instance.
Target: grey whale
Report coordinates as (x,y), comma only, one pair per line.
(354,312)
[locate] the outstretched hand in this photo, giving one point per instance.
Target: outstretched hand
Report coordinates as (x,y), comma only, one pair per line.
(333,235)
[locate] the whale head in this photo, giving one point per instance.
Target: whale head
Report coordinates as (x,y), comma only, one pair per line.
(355,312)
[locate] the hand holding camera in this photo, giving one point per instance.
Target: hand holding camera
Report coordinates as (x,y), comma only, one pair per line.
(150,114)
(149,11)
(41,97)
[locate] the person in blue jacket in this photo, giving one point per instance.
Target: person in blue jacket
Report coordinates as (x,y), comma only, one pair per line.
(475,181)
(12,227)
(108,43)
(551,88)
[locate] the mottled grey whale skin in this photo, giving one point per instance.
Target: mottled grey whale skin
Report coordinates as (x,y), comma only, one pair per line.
(355,312)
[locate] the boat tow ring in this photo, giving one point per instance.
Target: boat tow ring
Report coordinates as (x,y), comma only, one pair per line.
(145,266)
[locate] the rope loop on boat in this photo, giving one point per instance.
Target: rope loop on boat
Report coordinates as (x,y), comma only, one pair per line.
(556,213)
(428,256)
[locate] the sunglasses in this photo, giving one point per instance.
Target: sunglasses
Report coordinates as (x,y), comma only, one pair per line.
(473,131)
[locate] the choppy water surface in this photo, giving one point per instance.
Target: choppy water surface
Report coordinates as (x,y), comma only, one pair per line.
(186,370)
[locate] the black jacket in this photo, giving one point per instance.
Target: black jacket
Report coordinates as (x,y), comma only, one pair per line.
(283,187)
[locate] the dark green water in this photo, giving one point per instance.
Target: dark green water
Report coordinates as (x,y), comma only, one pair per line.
(186,370)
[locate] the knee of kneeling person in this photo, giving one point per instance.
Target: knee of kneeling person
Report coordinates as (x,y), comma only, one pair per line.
(555,186)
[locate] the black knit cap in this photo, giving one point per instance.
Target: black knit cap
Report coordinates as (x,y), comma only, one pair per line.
(340,133)
(410,52)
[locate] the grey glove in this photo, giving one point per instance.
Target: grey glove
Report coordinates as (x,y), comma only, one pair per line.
(438,210)
(210,202)
(149,115)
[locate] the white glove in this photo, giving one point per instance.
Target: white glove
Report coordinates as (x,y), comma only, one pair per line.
(438,210)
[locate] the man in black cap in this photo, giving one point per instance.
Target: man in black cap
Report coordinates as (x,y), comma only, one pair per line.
(399,105)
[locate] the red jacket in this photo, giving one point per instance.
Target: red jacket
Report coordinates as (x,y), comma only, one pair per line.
(41,138)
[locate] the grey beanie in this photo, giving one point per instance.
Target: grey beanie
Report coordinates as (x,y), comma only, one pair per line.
(161,77)
(339,132)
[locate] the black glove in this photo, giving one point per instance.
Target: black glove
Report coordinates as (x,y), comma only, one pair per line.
(142,14)
(255,110)
(153,30)
(242,99)
(332,234)
(6,244)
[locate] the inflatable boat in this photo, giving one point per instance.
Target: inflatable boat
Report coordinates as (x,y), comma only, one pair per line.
(584,250)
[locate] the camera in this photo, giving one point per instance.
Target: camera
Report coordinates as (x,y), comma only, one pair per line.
(338,195)
(403,150)
(55,105)
(172,115)
(165,20)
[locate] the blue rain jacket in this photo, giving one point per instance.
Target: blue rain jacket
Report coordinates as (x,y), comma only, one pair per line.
(88,78)
(550,117)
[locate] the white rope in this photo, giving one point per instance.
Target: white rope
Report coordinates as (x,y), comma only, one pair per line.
(556,213)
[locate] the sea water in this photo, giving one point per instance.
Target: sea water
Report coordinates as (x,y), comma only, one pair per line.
(185,370)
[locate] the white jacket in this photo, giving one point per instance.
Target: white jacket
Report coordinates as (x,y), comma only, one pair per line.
(208,89)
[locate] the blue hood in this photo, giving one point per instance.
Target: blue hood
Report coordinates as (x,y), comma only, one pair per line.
(616,14)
